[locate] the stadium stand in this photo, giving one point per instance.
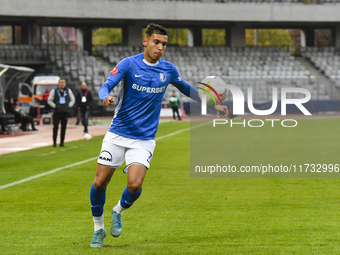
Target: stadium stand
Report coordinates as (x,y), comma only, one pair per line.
(257,67)
(326,60)
(80,67)
(13,54)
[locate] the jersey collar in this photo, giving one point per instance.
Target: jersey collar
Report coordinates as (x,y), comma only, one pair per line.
(150,64)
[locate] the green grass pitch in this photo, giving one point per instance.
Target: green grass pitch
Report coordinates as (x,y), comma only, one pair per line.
(175,214)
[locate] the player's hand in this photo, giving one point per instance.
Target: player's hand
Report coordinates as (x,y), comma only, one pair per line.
(222,109)
(108,101)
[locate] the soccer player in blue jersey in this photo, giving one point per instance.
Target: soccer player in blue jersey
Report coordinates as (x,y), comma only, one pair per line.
(131,135)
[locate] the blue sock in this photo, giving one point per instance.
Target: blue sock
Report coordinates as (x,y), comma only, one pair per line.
(98,198)
(128,198)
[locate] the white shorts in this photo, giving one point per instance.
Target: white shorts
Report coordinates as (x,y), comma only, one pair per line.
(117,148)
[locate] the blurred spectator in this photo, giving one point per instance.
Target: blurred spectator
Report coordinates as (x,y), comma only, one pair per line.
(3,124)
(174,103)
(20,116)
(84,101)
(45,98)
(46,94)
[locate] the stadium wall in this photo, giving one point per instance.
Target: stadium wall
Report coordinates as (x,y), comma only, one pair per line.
(169,11)
(132,16)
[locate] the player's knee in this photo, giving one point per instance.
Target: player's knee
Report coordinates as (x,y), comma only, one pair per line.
(99,185)
(135,186)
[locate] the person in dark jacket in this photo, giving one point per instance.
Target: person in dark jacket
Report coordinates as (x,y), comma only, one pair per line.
(61,100)
(20,116)
(84,101)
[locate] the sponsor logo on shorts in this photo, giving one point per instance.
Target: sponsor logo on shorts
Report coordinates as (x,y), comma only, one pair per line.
(105,155)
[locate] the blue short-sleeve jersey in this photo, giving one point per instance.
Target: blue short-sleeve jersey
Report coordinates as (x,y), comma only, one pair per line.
(140,98)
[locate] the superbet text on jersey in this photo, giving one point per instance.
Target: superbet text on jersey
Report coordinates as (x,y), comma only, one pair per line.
(140,98)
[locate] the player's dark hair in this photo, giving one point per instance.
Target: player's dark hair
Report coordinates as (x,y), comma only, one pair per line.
(155,29)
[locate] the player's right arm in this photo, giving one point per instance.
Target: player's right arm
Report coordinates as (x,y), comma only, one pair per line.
(116,75)
(192,92)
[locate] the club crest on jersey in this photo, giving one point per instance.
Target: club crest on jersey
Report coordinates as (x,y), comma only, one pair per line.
(114,70)
(162,77)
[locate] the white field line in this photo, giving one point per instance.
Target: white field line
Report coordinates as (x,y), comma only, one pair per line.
(43,174)
(78,163)
(180,131)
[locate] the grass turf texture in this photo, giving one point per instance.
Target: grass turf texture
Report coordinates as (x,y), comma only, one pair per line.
(312,141)
(175,214)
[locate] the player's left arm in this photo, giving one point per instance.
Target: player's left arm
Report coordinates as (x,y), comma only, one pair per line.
(192,92)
